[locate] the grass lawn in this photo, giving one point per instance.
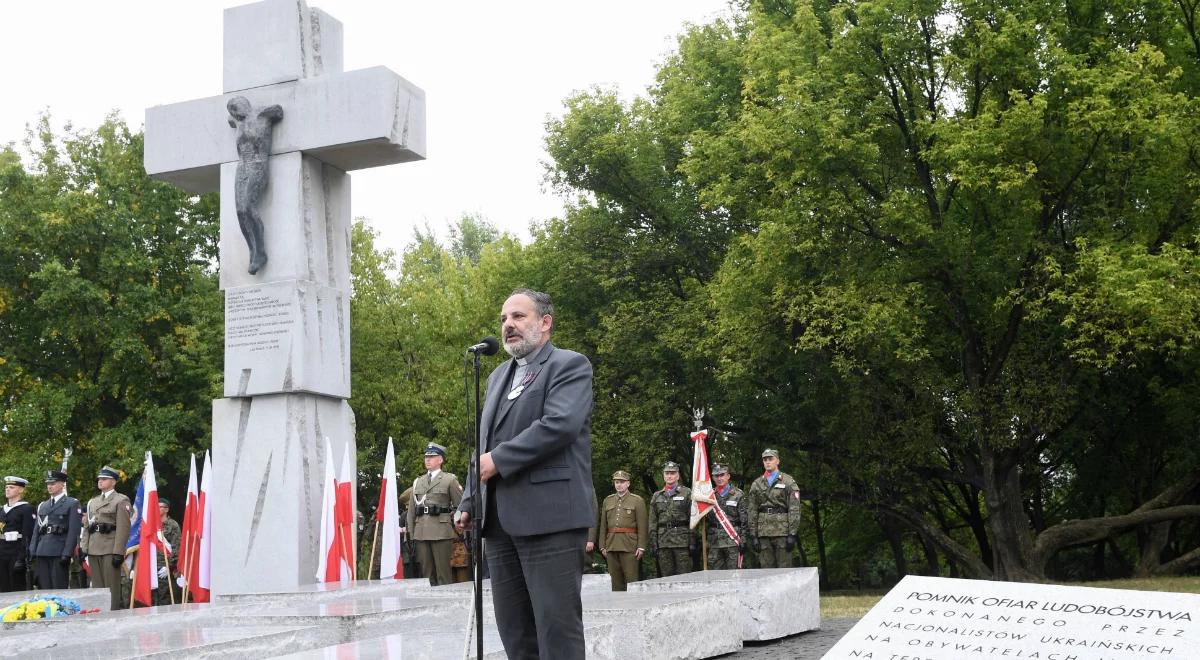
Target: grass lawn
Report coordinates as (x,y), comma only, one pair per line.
(842,604)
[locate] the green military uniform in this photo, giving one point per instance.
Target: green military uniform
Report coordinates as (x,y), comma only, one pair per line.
(105,534)
(671,535)
(723,551)
(773,517)
(430,520)
(173,535)
(623,521)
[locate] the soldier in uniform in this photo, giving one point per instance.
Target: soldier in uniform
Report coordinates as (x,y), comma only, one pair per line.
(56,535)
(723,551)
(105,533)
(773,514)
(16,528)
(623,523)
(165,594)
(671,535)
(435,497)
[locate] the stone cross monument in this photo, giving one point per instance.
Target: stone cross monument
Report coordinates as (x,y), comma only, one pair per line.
(287,325)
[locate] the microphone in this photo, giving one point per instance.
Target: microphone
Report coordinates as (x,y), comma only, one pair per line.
(486,346)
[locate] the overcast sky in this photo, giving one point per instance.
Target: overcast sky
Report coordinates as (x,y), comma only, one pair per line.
(492,73)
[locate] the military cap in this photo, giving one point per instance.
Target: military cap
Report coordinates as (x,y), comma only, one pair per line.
(670,466)
(770,452)
(434,449)
(108,473)
(717,468)
(164,501)
(620,475)
(15,481)
(55,475)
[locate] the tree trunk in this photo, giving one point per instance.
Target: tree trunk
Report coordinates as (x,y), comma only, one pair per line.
(1150,559)
(822,574)
(895,540)
(1012,546)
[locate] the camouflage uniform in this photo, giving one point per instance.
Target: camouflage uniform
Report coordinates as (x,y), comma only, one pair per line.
(773,515)
(173,535)
(722,550)
(670,534)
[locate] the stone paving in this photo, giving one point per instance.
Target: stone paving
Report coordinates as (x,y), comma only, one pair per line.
(805,646)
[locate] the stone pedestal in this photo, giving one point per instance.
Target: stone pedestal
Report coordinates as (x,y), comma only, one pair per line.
(772,602)
(271,453)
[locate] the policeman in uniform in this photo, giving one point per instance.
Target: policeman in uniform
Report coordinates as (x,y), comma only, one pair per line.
(671,534)
(435,497)
(105,534)
(623,521)
(723,551)
(56,534)
(773,514)
(165,594)
(16,528)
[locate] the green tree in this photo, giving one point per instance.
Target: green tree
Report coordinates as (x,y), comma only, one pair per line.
(110,316)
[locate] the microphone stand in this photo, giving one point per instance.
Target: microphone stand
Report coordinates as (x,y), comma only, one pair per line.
(476,506)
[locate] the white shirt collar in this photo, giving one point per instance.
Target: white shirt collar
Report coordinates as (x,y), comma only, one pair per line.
(434,473)
(522,361)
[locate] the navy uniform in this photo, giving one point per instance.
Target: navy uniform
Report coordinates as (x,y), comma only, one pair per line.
(623,521)
(56,535)
(106,533)
(773,514)
(16,529)
(723,551)
(671,534)
(435,496)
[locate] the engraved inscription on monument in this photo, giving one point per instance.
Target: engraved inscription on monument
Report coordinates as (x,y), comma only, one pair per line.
(257,319)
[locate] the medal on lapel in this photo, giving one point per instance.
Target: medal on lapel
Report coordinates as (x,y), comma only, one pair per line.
(516,391)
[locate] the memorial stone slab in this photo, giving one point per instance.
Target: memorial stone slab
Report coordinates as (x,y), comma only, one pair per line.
(364,618)
(948,619)
(88,599)
(439,644)
(191,641)
(324,592)
(772,602)
(666,626)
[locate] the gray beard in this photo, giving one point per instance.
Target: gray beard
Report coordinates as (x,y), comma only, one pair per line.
(524,347)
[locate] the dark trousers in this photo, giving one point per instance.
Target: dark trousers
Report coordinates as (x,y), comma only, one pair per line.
(11,579)
(536,585)
(51,574)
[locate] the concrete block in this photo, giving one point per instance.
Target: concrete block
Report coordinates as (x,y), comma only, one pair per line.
(191,641)
(306,223)
(353,120)
(772,602)
(665,626)
(363,618)
(436,645)
(285,337)
(272,444)
(278,41)
(327,592)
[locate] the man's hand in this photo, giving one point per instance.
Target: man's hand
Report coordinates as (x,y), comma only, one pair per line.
(463,522)
(19,565)
(65,561)
(117,560)
(487,469)
(639,552)
(604,552)
(791,542)
(589,547)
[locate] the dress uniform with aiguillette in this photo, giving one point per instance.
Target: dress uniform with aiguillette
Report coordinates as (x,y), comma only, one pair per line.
(773,514)
(435,497)
(105,534)
(16,529)
(623,526)
(671,534)
(56,535)
(723,551)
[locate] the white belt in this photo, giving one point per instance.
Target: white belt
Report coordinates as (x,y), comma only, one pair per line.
(12,536)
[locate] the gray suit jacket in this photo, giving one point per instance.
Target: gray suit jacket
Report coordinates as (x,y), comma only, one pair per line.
(541,445)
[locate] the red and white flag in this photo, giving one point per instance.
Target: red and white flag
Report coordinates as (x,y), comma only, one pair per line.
(189,553)
(345,515)
(388,513)
(702,489)
(329,557)
(201,589)
(145,580)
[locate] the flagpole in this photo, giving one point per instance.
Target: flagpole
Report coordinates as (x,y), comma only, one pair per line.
(371,559)
(186,555)
(345,550)
(167,565)
(704,543)
(132,584)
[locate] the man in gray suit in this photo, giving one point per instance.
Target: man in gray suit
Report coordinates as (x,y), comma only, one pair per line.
(56,534)
(535,504)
